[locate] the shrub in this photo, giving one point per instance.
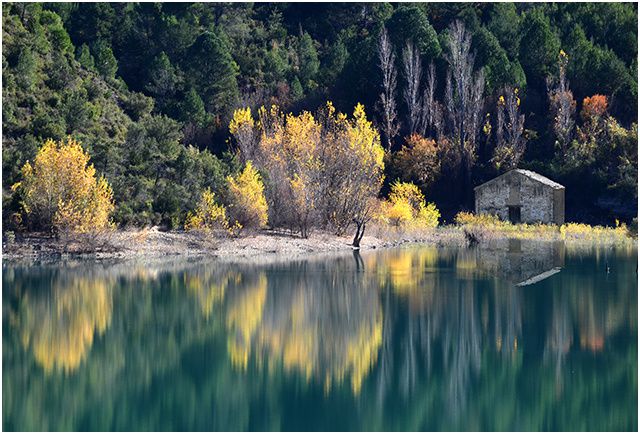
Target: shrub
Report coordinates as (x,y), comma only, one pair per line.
(468,218)
(60,190)
(248,204)
(406,206)
(486,226)
(208,215)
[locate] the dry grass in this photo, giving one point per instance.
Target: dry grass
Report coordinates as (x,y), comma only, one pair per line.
(486,226)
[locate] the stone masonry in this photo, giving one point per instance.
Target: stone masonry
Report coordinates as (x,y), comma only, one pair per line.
(521,196)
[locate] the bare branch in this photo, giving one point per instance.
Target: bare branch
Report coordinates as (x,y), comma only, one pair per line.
(387,59)
(413,74)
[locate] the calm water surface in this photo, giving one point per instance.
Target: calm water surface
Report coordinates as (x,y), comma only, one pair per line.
(523,336)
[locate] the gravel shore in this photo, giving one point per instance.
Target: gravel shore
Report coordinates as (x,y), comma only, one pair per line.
(155,243)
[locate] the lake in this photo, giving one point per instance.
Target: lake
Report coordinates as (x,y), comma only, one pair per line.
(515,336)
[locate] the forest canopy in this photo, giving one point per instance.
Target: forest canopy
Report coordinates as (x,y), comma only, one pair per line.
(150,91)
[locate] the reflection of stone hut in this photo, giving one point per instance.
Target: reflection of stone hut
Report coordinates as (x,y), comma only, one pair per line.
(522,196)
(522,262)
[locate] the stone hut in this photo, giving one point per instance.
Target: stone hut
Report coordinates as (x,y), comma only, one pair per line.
(521,196)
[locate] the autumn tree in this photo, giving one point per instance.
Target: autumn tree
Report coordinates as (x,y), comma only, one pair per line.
(242,129)
(61,191)
(248,205)
(208,216)
(319,170)
(287,152)
(418,161)
(510,141)
(593,115)
(387,102)
(562,106)
(353,170)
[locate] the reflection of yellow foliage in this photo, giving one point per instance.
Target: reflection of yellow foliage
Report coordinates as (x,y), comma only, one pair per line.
(362,353)
(400,269)
(307,347)
(209,288)
(406,269)
(61,333)
(307,335)
(243,317)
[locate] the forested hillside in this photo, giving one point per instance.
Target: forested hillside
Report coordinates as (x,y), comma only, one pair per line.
(459,92)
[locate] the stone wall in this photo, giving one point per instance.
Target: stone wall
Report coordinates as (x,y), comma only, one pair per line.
(492,198)
(536,201)
(535,198)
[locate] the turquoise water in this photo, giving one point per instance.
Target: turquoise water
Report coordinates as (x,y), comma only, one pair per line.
(520,336)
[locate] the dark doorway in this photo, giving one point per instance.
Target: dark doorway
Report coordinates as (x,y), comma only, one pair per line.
(514,214)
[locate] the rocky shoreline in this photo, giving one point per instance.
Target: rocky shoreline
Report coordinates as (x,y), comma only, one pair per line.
(124,244)
(152,243)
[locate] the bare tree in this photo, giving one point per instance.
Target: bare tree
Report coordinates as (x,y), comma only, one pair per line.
(413,74)
(463,98)
(562,106)
(428,110)
(387,58)
(510,142)
(438,120)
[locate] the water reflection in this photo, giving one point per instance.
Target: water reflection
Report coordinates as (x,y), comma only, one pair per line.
(59,326)
(403,339)
(323,323)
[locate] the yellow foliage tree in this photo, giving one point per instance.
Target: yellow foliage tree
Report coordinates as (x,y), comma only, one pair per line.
(242,129)
(60,190)
(248,204)
(407,207)
(322,169)
(208,215)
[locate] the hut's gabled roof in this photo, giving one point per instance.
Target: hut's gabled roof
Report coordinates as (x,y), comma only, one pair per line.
(529,174)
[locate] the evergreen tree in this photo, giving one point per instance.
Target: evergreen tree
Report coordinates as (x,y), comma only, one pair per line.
(106,63)
(85,58)
(213,73)
(309,63)
(539,46)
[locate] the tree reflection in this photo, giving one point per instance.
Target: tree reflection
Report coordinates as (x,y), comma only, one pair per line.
(320,322)
(462,335)
(60,327)
(402,339)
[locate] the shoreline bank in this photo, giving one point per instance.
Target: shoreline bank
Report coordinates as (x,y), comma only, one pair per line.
(124,244)
(153,243)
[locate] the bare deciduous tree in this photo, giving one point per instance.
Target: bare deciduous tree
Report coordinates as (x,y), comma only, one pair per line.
(510,142)
(387,58)
(413,74)
(562,106)
(463,97)
(428,110)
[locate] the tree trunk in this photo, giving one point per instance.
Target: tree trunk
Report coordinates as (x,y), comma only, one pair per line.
(360,227)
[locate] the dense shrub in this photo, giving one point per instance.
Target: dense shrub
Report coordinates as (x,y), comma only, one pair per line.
(208,215)
(407,207)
